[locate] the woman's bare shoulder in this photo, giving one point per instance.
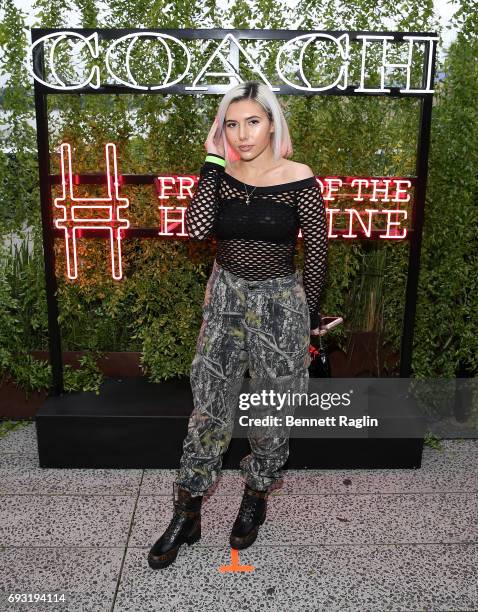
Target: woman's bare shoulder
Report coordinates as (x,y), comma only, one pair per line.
(295,171)
(286,171)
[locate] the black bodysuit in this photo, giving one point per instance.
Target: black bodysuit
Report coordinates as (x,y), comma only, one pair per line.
(258,241)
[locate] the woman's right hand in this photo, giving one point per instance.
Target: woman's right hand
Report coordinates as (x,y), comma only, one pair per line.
(211,145)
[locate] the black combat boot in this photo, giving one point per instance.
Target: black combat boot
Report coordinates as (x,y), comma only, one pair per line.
(251,515)
(184,528)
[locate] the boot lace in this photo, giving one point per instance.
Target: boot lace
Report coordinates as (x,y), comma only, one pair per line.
(175,525)
(248,508)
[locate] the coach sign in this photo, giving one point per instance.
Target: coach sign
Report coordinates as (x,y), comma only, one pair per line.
(116,58)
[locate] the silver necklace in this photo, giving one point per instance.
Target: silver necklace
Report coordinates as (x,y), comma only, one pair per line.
(248,195)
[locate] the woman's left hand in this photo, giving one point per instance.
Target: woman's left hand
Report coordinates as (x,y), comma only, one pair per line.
(318,332)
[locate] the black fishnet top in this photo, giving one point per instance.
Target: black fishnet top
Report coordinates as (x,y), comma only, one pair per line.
(258,241)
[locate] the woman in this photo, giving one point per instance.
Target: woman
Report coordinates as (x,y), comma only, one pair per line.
(257,312)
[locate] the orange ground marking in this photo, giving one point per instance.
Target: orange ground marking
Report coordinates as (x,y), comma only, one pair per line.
(235,567)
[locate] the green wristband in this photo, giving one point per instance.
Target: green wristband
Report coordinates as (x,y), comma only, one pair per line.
(215,159)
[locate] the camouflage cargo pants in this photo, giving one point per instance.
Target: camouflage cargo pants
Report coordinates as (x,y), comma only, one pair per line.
(260,325)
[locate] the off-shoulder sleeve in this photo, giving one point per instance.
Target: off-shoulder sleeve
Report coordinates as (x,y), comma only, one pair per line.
(201,212)
(313,225)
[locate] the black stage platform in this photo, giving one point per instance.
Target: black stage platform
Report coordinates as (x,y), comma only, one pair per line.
(133,423)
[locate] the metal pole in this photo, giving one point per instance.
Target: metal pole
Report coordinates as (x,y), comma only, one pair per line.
(54,335)
(423,146)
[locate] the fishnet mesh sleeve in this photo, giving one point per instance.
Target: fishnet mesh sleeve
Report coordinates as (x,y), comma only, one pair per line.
(201,212)
(313,225)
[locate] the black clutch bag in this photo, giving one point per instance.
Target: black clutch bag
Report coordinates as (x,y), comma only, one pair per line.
(320,364)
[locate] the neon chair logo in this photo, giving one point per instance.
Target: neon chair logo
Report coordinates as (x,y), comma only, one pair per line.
(74,223)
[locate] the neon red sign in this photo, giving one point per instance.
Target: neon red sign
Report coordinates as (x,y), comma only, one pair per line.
(81,215)
(73,223)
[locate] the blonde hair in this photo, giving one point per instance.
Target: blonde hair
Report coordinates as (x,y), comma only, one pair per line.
(254,90)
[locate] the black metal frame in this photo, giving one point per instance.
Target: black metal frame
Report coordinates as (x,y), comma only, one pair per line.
(46,180)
